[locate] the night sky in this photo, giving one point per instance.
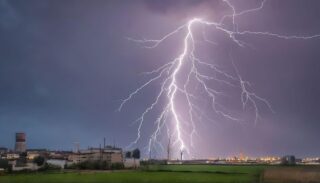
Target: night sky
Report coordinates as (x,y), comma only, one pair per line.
(66,65)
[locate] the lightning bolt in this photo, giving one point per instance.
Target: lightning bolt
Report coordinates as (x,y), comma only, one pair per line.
(170,117)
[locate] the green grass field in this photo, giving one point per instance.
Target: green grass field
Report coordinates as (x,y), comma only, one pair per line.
(240,169)
(177,174)
(154,174)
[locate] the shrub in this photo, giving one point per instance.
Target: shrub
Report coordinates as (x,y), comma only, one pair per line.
(4,164)
(49,167)
(117,166)
(96,165)
(39,160)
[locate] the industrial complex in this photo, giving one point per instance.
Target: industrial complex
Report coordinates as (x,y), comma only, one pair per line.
(104,157)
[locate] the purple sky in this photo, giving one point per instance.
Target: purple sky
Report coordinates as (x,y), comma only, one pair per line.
(66,65)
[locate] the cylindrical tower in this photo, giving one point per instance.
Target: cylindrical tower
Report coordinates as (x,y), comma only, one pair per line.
(20,142)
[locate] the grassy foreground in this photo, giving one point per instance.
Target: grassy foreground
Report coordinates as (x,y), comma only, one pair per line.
(231,169)
(154,174)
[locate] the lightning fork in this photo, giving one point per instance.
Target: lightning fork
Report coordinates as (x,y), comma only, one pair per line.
(170,117)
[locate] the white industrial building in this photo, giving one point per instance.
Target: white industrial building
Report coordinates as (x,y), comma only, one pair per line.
(111,155)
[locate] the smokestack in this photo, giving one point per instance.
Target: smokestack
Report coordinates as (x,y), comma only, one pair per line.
(104,143)
(77,147)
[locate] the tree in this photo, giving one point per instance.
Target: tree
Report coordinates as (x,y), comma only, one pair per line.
(136,154)
(128,154)
(39,160)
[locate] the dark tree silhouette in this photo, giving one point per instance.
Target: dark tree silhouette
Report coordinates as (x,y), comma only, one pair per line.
(136,154)
(39,160)
(128,154)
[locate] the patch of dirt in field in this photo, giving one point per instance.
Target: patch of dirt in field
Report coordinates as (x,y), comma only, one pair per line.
(291,175)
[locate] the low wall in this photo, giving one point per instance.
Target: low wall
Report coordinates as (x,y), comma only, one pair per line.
(131,163)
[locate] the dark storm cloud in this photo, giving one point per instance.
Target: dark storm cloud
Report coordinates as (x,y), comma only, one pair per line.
(167,6)
(181,9)
(8,15)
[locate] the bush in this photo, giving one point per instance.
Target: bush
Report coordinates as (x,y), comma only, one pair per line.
(71,166)
(117,166)
(91,165)
(49,167)
(4,164)
(96,165)
(153,162)
(39,160)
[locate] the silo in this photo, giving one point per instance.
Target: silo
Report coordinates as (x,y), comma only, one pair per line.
(20,142)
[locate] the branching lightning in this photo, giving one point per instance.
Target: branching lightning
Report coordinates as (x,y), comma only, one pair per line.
(170,118)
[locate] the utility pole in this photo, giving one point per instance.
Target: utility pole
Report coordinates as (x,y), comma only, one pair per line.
(77,150)
(100,154)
